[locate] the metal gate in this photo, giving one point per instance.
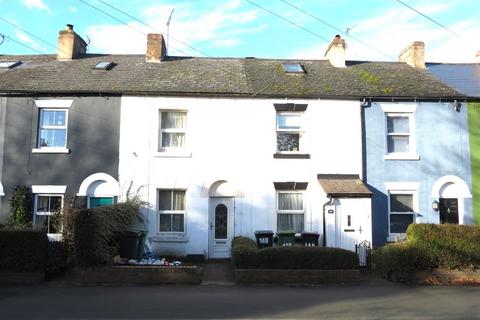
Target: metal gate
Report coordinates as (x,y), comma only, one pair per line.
(363,250)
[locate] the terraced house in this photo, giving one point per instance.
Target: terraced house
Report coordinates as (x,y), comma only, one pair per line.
(221,147)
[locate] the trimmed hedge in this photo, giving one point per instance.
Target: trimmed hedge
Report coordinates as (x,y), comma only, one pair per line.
(246,255)
(447,246)
(430,246)
(96,231)
(23,251)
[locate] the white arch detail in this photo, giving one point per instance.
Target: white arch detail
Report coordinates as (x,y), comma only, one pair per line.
(1,189)
(223,188)
(454,184)
(109,186)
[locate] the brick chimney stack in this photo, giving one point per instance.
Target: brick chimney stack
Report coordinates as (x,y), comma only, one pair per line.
(336,52)
(156,48)
(414,55)
(70,45)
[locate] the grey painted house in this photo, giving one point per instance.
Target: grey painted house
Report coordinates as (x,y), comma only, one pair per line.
(55,138)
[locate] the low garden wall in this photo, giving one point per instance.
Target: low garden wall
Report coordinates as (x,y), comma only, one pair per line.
(138,275)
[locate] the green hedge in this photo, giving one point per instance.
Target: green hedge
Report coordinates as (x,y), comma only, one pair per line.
(23,251)
(429,246)
(96,231)
(245,255)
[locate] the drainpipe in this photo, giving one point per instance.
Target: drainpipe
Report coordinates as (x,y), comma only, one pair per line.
(329,202)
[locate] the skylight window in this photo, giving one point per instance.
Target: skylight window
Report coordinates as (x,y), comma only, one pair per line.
(9,64)
(291,67)
(104,65)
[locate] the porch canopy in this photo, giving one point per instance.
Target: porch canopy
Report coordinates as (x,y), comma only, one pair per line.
(343,186)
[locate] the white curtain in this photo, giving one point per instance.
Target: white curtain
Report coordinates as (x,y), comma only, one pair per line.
(173,120)
(290,201)
(293,222)
(173,139)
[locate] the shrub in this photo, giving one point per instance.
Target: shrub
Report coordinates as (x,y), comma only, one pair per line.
(243,241)
(96,231)
(23,251)
(21,206)
(399,259)
(245,255)
(447,246)
(56,258)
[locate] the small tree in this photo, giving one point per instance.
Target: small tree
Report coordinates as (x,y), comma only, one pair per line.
(21,207)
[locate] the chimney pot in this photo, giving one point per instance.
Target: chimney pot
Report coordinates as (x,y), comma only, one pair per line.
(414,55)
(70,45)
(156,48)
(336,52)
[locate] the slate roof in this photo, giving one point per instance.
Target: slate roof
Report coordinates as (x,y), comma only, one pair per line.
(243,77)
(343,185)
(464,77)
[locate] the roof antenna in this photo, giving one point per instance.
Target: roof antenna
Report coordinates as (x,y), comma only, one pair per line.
(347,33)
(168,27)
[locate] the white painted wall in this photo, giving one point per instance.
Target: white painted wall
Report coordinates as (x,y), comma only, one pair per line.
(233,140)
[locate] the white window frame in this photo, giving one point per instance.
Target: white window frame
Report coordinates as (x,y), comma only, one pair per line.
(171,212)
(162,149)
(401,110)
(300,131)
(47,149)
(48,213)
(407,189)
(302,212)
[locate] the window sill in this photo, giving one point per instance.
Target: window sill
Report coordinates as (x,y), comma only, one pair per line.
(291,156)
(172,154)
(51,150)
(397,237)
(169,238)
(400,156)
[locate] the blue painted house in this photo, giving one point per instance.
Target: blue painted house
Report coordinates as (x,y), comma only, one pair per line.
(417,160)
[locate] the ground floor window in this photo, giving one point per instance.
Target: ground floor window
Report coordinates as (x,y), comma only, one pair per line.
(290,211)
(94,202)
(47,212)
(172,210)
(402,211)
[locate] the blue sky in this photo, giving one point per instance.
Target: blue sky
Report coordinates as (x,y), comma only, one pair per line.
(238,28)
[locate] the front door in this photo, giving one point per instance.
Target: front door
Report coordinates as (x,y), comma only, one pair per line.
(220,227)
(348,229)
(448,210)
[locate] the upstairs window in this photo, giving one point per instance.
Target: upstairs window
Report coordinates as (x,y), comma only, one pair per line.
(399,133)
(52,129)
(289,131)
(171,209)
(172,130)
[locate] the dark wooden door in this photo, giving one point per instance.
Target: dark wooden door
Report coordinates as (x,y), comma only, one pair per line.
(448,210)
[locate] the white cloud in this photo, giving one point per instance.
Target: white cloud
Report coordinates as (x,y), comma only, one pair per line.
(221,27)
(72,9)
(392,30)
(35,4)
(29,41)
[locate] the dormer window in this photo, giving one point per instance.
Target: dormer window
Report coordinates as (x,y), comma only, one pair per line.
(291,67)
(9,64)
(104,65)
